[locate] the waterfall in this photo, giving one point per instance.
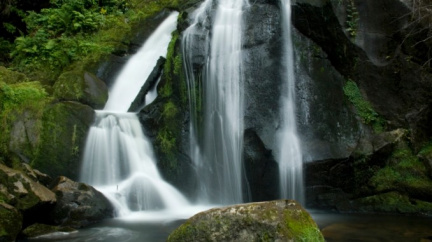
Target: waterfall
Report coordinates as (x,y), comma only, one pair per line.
(217,148)
(118,158)
(290,155)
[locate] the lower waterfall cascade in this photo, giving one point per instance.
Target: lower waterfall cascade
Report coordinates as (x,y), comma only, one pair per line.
(118,158)
(290,154)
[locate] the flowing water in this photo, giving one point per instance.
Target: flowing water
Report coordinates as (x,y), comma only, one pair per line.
(290,155)
(218,153)
(118,158)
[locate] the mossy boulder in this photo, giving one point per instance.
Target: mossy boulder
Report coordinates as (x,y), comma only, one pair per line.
(10,222)
(78,204)
(37,229)
(82,87)
(11,77)
(64,131)
(281,220)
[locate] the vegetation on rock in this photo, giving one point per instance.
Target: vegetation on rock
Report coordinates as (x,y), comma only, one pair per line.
(281,220)
(363,107)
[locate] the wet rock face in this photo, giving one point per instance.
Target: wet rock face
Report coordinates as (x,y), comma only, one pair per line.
(63,135)
(397,85)
(281,220)
(262,171)
(78,204)
(262,53)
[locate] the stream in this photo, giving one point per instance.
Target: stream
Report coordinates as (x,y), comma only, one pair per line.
(335,227)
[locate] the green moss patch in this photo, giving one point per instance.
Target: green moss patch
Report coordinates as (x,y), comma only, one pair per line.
(17,101)
(363,107)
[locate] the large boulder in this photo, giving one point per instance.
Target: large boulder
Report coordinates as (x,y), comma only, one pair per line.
(281,220)
(78,204)
(64,131)
(82,87)
(25,194)
(10,222)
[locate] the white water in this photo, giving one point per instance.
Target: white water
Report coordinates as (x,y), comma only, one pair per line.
(139,67)
(290,155)
(218,154)
(118,158)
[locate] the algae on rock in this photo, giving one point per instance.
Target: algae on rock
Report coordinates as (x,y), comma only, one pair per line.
(281,220)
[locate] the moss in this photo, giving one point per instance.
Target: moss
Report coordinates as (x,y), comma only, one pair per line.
(301,226)
(65,127)
(15,100)
(269,221)
(363,107)
(69,86)
(395,202)
(11,77)
(427,149)
(10,222)
(404,170)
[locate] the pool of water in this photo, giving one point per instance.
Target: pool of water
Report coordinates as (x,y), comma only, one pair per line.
(335,227)
(358,227)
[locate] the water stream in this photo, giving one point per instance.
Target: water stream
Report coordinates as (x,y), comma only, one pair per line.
(290,154)
(218,152)
(118,158)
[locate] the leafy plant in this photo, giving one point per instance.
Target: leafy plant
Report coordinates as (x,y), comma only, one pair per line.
(352,19)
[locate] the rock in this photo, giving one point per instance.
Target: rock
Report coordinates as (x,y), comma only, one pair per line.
(37,229)
(139,101)
(426,158)
(36,175)
(262,171)
(78,204)
(64,131)
(419,124)
(82,87)
(281,220)
(392,202)
(10,222)
(26,195)
(11,77)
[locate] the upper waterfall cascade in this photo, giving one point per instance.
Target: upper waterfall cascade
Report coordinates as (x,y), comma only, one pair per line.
(218,153)
(118,158)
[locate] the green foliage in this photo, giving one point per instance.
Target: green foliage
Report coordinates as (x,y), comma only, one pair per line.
(363,107)
(301,226)
(403,171)
(352,19)
(170,110)
(427,149)
(16,99)
(170,57)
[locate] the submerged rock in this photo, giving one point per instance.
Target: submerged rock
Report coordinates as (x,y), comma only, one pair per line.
(78,204)
(281,220)
(36,230)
